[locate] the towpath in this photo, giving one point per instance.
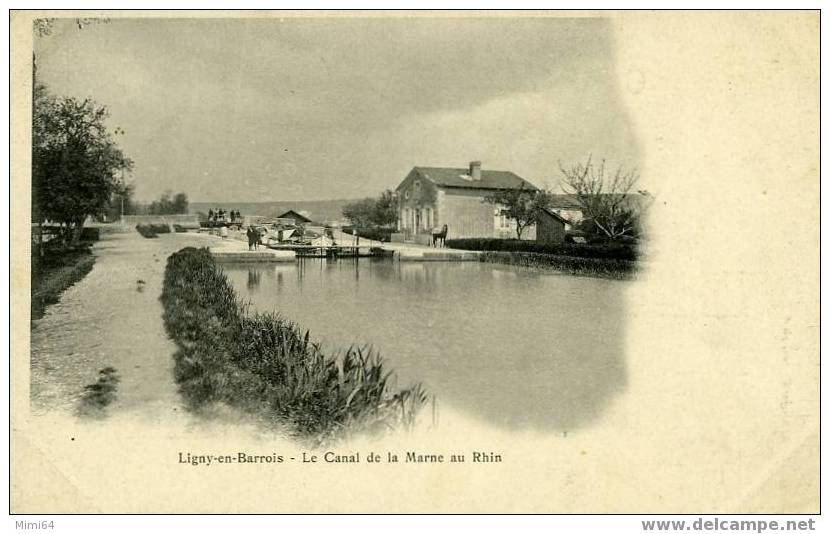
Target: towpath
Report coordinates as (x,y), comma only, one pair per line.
(111,318)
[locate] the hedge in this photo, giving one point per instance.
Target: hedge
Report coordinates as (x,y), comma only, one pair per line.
(152,230)
(596,267)
(608,251)
(375,234)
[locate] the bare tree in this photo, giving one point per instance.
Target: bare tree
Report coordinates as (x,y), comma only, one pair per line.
(605,200)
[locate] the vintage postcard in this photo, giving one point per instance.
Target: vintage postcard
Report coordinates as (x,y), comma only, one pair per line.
(415,262)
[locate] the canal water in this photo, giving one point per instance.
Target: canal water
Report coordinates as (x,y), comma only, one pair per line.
(512,347)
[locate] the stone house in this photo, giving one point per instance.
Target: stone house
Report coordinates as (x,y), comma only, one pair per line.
(430,197)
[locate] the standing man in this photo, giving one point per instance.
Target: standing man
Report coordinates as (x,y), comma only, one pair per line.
(250,234)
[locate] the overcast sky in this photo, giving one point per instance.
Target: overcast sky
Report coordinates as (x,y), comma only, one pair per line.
(306,109)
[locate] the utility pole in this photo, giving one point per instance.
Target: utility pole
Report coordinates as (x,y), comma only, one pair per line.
(122,195)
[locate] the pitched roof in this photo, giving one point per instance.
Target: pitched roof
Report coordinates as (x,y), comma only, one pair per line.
(298,217)
(564,201)
(459,177)
(556,216)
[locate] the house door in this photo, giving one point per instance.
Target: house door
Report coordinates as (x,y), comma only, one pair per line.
(417,220)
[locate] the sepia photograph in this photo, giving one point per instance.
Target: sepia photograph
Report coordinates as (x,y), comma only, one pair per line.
(514,262)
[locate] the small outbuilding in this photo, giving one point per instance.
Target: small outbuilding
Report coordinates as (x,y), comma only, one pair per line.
(550,228)
(298,217)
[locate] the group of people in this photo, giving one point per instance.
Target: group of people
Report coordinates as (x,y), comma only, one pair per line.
(253,238)
(222,215)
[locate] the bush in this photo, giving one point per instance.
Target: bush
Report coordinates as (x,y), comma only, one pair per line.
(605,250)
(146,230)
(263,362)
(152,230)
(90,234)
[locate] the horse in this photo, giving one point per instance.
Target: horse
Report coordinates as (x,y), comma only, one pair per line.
(439,236)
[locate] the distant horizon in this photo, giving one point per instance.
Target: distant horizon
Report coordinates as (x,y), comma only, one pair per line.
(220,202)
(319,210)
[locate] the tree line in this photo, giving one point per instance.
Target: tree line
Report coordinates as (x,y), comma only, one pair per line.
(124,203)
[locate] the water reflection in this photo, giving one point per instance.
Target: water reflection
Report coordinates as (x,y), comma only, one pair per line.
(515,347)
(254,276)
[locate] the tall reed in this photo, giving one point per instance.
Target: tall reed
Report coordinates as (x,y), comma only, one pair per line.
(265,363)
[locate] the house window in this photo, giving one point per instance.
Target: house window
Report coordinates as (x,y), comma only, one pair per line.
(417,185)
(504,220)
(406,194)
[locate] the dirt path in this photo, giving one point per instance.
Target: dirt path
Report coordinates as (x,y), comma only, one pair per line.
(111,318)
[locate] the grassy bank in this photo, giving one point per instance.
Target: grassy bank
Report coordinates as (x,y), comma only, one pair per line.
(268,365)
(596,267)
(55,272)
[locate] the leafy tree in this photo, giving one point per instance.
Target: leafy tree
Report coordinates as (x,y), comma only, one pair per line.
(162,206)
(386,209)
(606,199)
(168,204)
(180,203)
(121,202)
(373,212)
(75,160)
(522,205)
(360,213)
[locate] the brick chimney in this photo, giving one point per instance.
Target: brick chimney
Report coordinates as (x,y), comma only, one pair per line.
(475,170)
